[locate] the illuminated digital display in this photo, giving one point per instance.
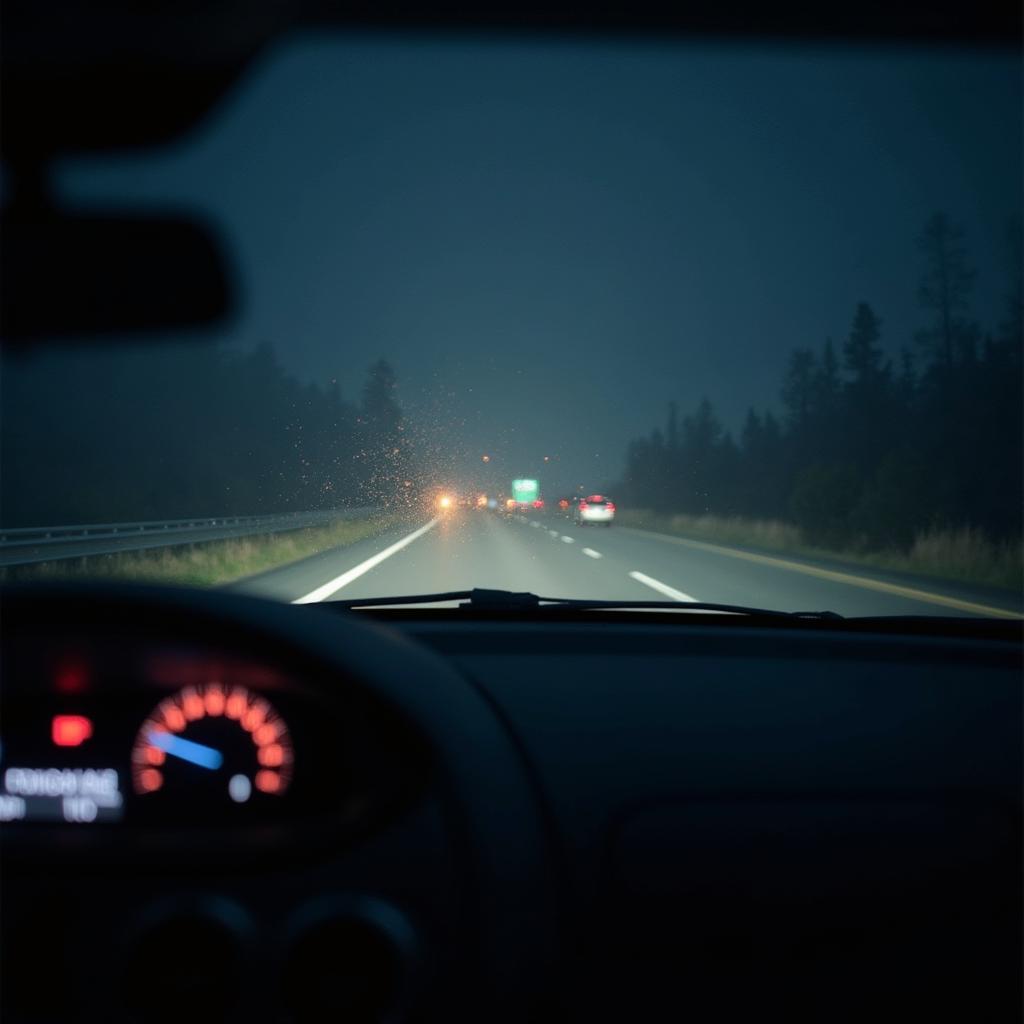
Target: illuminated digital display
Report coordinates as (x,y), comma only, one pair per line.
(70,730)
(75,795)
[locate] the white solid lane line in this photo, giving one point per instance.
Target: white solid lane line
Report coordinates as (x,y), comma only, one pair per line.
(661,588)
(333,586)
(591,553)
(568,540)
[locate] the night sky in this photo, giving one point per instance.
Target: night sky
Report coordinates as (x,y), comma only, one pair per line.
(550,240)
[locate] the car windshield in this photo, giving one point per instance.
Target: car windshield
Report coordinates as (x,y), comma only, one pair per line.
(767,295)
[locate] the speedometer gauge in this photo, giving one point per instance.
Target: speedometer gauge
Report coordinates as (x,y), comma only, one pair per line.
(213,745)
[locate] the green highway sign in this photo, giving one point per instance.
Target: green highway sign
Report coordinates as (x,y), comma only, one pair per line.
(525,491)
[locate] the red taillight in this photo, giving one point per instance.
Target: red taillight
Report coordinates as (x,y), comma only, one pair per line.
(538,503)
(610,506)
(583,505)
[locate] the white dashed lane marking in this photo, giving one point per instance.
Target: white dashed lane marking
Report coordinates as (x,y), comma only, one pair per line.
(661,588)
(333,586)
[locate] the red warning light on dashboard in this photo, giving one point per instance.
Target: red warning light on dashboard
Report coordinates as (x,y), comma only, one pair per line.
(70,730)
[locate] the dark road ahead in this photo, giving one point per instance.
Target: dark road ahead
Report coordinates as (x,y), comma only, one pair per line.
(552,557)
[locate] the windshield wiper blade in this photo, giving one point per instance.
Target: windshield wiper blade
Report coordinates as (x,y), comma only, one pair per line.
(373,602)
(508,600)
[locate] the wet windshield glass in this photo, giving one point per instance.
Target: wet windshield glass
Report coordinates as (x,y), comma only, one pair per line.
(767,296)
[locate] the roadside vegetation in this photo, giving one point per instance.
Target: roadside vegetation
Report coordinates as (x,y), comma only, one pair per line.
(901,451)
(965,555)
(177,431)
(209,563)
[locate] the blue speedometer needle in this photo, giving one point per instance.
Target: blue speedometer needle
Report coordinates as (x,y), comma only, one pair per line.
(194,753)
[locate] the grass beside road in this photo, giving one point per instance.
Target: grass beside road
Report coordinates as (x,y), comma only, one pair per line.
(209,563)
(962,556)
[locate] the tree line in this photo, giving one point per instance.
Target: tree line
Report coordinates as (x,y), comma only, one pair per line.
(867,450)
(192,430)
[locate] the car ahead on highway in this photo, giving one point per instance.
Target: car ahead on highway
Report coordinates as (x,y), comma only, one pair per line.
(595,509)
(535,507)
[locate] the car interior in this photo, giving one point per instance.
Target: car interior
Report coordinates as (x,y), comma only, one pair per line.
(506,810)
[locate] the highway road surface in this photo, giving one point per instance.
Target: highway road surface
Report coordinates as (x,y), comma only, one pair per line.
(552,557)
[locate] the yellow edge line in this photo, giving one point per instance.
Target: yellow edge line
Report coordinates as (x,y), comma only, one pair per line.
(838,577)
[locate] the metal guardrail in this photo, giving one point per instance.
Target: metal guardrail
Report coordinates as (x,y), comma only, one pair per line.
(25,545)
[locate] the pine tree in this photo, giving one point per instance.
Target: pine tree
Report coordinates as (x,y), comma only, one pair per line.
(862,356)
(827,384)
(672,431)
(798,388)
(383,446)
(945,287)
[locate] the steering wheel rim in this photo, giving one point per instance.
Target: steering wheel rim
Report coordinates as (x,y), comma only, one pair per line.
(494,811)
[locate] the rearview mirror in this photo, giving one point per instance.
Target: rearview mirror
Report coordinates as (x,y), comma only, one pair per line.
(108,273)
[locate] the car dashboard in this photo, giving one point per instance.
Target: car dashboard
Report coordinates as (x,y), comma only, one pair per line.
(229,809)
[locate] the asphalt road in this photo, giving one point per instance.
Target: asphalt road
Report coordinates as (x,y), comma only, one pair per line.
(550,556)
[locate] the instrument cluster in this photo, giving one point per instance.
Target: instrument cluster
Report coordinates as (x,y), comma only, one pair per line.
(150,734)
